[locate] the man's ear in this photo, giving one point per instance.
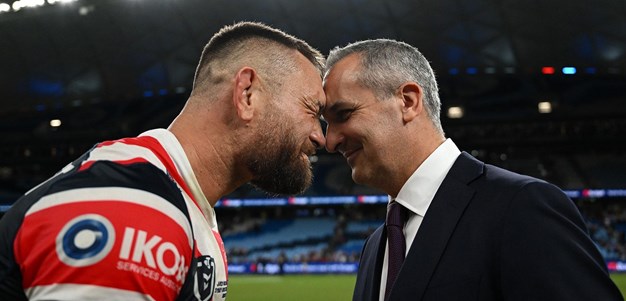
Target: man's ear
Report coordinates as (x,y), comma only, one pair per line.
(412,96)
(242,93)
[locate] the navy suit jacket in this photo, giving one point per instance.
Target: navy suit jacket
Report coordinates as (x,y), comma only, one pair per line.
(491,234)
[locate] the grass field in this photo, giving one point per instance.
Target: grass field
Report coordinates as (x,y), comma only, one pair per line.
(310,287)
(620,280)
(291,288)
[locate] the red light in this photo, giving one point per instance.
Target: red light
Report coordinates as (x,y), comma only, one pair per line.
(547,70)
(585,193)
(612,265)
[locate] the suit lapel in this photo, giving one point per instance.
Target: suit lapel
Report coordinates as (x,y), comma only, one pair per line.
(438,225)
(368,281)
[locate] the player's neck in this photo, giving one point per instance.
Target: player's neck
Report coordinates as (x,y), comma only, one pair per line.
(210,153)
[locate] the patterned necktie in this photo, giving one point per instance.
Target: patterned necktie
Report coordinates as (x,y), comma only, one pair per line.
(397,245)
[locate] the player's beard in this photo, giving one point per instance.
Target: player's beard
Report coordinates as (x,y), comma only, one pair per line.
(276,162)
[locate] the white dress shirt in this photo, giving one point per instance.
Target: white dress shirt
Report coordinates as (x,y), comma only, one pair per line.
(417,194)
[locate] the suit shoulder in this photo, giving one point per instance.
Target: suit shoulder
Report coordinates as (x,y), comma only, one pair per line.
(498,174)
(503,184)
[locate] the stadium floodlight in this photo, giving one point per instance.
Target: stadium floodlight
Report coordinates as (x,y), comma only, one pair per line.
(55,123)
(60,1)
(17,5)
(455,112)
(544,107)
(4,7)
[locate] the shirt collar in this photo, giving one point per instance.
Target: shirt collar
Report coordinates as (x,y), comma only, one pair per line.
(418,191)
(175,150)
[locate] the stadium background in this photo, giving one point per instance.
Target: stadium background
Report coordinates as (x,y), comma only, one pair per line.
(537,87)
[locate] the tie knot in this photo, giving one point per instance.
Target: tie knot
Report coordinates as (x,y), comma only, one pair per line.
(396,214)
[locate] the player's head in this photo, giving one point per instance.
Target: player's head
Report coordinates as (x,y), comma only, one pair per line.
(273,81)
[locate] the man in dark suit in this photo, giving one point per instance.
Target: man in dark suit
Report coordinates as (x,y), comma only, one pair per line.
(471,231)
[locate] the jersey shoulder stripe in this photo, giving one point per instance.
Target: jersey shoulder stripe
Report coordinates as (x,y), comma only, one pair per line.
(121,152)
(114,194)
(147,252)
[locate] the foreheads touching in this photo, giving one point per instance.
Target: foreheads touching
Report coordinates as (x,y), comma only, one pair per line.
(256,45)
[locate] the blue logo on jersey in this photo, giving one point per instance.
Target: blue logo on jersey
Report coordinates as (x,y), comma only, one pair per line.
(85,240)
(94,229)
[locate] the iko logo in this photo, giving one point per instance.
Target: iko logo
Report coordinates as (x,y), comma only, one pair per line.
(85,240)
(205,278)
(144,249)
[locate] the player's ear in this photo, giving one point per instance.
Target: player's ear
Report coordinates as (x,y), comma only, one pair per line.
(242,94)
(412,100)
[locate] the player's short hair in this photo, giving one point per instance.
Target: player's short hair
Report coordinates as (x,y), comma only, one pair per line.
(256,45)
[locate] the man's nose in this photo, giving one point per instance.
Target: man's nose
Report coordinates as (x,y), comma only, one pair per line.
(317,137)
(333,138)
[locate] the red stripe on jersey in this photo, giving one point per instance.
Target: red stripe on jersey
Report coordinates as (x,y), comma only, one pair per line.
(149,253)
(218,238)
(88,164)
(122,140)
(107,143)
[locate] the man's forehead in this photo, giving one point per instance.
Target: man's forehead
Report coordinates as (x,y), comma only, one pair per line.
(350,63)
(318,97)
(311,89)
(341,77)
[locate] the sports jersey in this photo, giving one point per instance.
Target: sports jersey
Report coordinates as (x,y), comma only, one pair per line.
(125,221)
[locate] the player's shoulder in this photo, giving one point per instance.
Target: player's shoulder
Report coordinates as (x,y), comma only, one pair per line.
(122,226)
(127,171)
(127,151)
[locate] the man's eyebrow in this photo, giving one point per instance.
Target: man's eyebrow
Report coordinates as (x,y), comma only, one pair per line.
(320,106)
(316,105)
(336,106)
(331,111)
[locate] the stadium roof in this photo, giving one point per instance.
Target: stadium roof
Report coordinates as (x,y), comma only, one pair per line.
(88,50)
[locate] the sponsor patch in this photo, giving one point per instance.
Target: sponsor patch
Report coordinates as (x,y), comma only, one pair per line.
(85,240)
